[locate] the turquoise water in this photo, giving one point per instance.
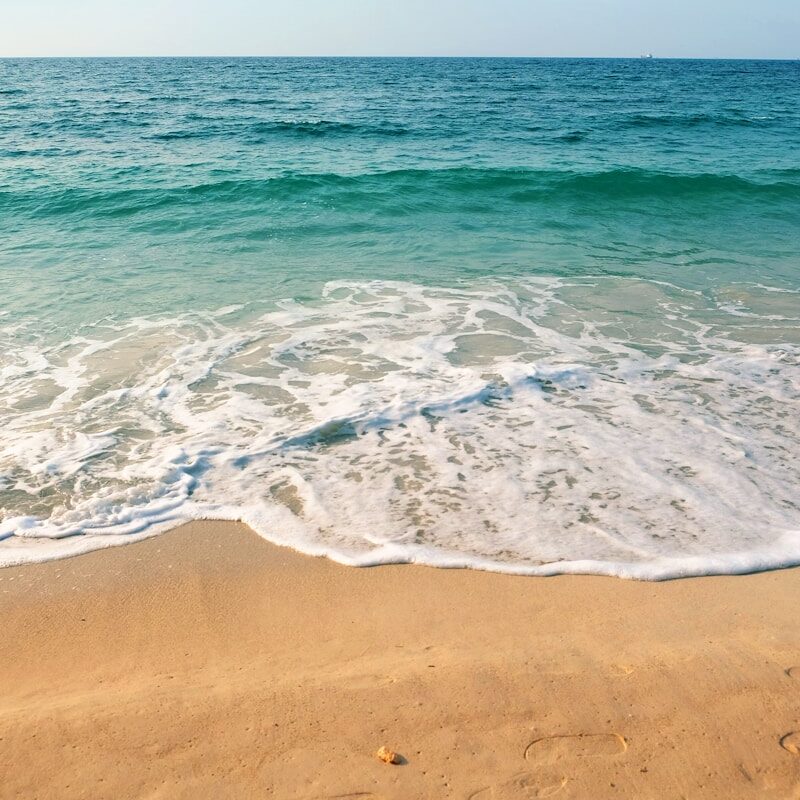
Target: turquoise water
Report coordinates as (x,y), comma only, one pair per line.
(530,315)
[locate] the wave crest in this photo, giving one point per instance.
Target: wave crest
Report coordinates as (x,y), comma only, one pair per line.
(430,188)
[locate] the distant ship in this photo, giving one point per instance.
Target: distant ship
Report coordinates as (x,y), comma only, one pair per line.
(646,55)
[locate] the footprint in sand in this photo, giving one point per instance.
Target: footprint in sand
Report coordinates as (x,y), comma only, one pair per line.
(579,745)
(793,672)
(791,743)
(551,775)
(525,786)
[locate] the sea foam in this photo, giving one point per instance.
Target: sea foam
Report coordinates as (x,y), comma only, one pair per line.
(603,425)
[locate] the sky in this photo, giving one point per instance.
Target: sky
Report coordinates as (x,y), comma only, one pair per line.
(667,28)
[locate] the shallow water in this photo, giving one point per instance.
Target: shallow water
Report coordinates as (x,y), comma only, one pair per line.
(529,315)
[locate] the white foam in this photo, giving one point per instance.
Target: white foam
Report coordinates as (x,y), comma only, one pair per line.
(605,425)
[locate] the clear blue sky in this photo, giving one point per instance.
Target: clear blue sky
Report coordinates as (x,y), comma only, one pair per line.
(702,28)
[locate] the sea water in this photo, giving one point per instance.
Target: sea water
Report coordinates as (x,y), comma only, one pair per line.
(535,316)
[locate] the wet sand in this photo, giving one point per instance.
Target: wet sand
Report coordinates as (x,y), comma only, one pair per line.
(206,663)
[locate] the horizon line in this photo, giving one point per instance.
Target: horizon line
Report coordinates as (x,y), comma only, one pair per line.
(645,57)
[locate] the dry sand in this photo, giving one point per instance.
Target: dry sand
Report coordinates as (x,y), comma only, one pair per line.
(207,663)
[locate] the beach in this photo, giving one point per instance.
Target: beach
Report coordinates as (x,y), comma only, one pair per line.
(207,662)
(447,406)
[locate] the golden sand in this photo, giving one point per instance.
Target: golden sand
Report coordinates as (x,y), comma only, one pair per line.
(206,663)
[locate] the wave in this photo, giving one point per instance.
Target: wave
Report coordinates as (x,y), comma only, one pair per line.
(252,101)
(692,120)
(426,188)
(495,424)
(209,127)
(324,127)
(180,135)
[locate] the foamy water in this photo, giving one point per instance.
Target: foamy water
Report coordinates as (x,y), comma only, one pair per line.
(605,425)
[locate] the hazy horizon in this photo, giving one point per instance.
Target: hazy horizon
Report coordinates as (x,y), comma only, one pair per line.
(713,29)
(410,56)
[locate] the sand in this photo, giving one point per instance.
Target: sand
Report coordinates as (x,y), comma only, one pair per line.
(206,663)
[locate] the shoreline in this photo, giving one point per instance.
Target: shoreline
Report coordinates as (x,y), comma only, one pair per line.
(206,662)
(654,570)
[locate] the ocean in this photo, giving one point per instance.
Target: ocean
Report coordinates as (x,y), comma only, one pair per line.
(528,315)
